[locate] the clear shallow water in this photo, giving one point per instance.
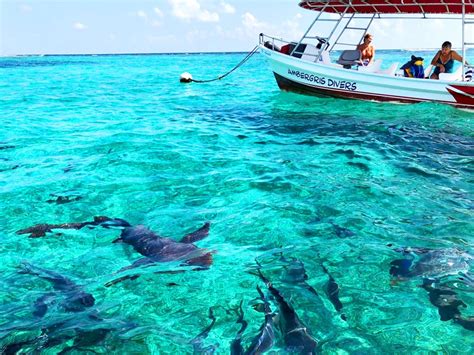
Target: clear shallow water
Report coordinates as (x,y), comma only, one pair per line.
(272,171)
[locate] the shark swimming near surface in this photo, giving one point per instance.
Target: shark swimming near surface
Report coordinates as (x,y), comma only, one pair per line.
(430,263)
(197,342)
(435,267)
(160,249)
(295,274)
(74,298)
(153,248)
(296,335)
(156,249)
(332,291)
(146,242)
(264,340)
(40,230)
(69,334)
(236,347)
(75,325)
(266,334)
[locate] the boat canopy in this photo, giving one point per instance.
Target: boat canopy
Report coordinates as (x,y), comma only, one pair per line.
(445,7)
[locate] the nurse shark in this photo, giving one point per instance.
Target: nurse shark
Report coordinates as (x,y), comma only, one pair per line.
(435,267)
(154,248)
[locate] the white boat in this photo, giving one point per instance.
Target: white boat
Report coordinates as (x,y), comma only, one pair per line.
(306,67)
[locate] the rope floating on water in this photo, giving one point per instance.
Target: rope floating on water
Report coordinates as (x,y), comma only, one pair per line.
(188,78)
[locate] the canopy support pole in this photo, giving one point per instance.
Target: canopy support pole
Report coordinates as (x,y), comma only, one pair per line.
(309,28)
(463,39)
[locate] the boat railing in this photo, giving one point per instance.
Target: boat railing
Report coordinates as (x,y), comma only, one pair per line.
(271,42)
(306,51)
(309,52)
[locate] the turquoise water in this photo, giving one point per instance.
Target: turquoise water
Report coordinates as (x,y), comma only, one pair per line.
(280,177)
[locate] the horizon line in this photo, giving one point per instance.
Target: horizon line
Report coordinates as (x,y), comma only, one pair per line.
(173,53)
(106,54)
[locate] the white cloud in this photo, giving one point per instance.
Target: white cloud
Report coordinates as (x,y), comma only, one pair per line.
(289,29)
(387,28)
(160,39)
(227,8)
(142,14)
(158,12)
(191,9)
(79,26)
(292,29)
(194,35)
(150,20)
(382,28)
(252,25)
(229,34)
(25,8)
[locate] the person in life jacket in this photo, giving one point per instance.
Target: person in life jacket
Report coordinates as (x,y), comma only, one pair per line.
(414,68)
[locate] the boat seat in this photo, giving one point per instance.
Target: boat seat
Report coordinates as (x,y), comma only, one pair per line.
(349,57)
(288,49)
(371,68)
(311,52)
(456,76)
(391,70)
(428,71)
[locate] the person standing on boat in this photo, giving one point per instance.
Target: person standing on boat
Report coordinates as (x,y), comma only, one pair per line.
(367,50)
(444,60)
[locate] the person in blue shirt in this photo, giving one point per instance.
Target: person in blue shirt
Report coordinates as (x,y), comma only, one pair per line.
(443,61)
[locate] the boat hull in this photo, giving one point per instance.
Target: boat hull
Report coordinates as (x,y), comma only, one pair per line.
(297,75)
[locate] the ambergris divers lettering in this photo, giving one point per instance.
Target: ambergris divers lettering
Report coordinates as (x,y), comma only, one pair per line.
(340,84)
(308,77)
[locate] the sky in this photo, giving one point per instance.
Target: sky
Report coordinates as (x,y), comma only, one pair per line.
(169,26)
